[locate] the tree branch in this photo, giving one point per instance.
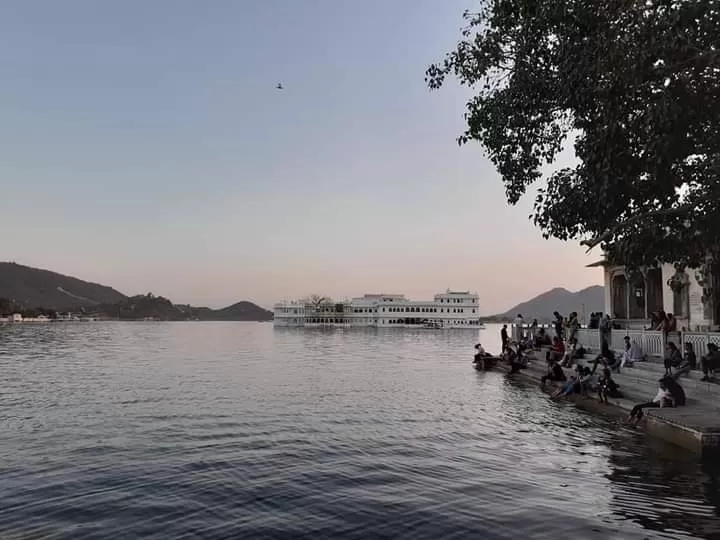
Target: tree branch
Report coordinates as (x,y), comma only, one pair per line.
(631,221)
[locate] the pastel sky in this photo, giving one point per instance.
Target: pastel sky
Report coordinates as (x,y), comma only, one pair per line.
(143,145)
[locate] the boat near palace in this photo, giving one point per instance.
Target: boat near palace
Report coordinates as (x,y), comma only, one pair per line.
(448,310)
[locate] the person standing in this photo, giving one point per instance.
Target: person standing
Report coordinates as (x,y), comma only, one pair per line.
(673,358)
(573,326)
(710,362)
(504,337)
(518,332)
(558,324)
(605,328)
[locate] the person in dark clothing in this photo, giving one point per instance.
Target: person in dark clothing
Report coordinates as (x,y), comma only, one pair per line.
(676,392)
(607,387)
(504,337)
(605,326)
(542,338)
(557,352)
(594,322)
(688,363)
(710,362)
(558,324)
(606,357)
(555,373)
(673,358)
(516,358)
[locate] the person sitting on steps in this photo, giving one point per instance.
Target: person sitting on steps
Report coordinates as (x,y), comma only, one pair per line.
(676,392)
(606,357)
(710,362)
(515,357)
(542,338)
(557,351)
(570,386)
(632,353)
(688,363)
(607,387)
(555,373)
(569,355)
(587,381)
(661,399)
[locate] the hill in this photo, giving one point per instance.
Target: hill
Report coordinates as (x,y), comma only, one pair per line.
(241,311)
(542,306)
(149,306)
(33,290)
(32,287)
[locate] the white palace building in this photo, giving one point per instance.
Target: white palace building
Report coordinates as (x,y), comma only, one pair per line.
(450,309)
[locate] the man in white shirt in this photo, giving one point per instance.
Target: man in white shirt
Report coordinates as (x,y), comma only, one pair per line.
(633,353)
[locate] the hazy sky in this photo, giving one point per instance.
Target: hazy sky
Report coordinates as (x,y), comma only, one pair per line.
(143,145)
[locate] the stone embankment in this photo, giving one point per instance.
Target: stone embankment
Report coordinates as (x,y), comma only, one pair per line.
(696,426)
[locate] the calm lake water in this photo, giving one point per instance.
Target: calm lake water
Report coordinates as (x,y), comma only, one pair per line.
(239,430)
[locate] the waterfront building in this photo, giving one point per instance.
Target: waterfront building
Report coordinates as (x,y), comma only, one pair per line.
(451,309)
(631,297)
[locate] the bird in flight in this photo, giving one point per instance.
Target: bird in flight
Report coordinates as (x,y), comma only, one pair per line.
(279,86)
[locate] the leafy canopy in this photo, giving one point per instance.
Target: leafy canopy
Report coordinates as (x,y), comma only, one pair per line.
(634,84)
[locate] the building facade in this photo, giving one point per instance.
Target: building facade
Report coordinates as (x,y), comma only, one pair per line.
(632,297)
(450,309)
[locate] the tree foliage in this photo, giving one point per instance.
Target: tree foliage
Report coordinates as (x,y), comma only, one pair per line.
(634,85)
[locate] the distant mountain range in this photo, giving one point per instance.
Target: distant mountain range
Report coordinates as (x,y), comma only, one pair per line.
(27,289)
(542,306)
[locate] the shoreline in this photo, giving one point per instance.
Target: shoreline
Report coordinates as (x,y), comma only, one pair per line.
(692,427)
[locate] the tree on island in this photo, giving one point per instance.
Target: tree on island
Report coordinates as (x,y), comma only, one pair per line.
(635,86)
(316,300)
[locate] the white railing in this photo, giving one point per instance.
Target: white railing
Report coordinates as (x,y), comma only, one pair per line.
(589,338)
(653,342)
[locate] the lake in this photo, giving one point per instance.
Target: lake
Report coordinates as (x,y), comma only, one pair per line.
(238,430)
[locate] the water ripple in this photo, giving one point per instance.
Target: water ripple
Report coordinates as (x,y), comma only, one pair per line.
(216,431)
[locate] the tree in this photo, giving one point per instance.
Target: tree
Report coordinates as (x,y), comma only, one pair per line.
(635,85)
(6,306)
(317,300)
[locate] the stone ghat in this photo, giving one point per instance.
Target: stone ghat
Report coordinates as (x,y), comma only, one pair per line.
(696,426)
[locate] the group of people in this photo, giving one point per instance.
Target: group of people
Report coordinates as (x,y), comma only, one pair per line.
(678,364)
(583,380)
(564,351)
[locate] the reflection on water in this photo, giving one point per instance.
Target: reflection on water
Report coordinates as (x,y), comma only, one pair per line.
(230,430)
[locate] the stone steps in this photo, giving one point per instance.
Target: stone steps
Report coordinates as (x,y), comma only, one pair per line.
(640,385)
(652,371)
(695,426)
